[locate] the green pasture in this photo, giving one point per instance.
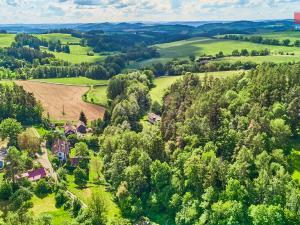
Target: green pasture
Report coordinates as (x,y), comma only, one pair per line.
(6,40)
(54,37)
(162,83)
(212,46)
(78,54)
(73,81)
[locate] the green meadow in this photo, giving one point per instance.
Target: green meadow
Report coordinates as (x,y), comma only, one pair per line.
(6,40)
(212,46)
(54,37)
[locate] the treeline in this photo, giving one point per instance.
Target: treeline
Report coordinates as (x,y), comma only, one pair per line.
(28,54)
(16,103)
(245,52)
(262,40)
(219,155)
(179,67)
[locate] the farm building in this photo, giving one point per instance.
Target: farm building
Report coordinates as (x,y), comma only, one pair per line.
(81,127)
(297,20)
(153,118)
(61,148)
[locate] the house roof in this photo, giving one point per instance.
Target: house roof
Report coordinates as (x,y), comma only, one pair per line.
(37,174)
(34,175)
(69,128)
(80,123)
(60,145)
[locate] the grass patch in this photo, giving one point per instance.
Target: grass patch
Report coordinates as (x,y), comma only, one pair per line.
(46,205)
(6,40)
(82,81)
(97,95)
(84,195)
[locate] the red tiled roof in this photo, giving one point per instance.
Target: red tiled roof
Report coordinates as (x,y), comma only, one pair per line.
(37,174)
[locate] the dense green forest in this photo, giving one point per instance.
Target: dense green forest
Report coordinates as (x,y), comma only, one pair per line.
(219,155)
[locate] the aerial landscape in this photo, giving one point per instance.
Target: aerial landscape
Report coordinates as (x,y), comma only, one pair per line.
(130,112)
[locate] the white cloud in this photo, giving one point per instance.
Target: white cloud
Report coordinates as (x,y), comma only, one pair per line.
(58,11)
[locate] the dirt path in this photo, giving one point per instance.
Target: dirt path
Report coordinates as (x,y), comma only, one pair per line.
(63,102)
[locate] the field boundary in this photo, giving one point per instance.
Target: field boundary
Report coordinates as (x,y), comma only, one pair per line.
(76,85)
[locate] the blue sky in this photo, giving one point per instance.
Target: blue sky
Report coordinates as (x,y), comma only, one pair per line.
(73,11)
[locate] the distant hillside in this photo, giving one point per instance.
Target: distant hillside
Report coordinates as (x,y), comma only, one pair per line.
(203,28)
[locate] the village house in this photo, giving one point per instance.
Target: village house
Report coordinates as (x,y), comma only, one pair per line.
(153,118)
(61,148)
(81,127)
(34,175)
(69,129)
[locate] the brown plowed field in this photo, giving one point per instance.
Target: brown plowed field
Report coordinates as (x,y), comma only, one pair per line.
(58,98)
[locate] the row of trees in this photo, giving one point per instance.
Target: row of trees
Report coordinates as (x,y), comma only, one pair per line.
(262,40)
(179,67)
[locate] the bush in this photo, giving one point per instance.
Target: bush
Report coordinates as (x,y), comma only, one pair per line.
(61,198)
(80,177)
(5,191)
(42,187)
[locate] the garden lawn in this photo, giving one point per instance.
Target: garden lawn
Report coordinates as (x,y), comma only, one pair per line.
(46,205)
(84,195)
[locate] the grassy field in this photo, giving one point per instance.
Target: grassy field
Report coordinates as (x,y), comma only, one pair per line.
(211,46)
(6,40)
(162,83)
(78,53)
(73,81)
(54,37)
